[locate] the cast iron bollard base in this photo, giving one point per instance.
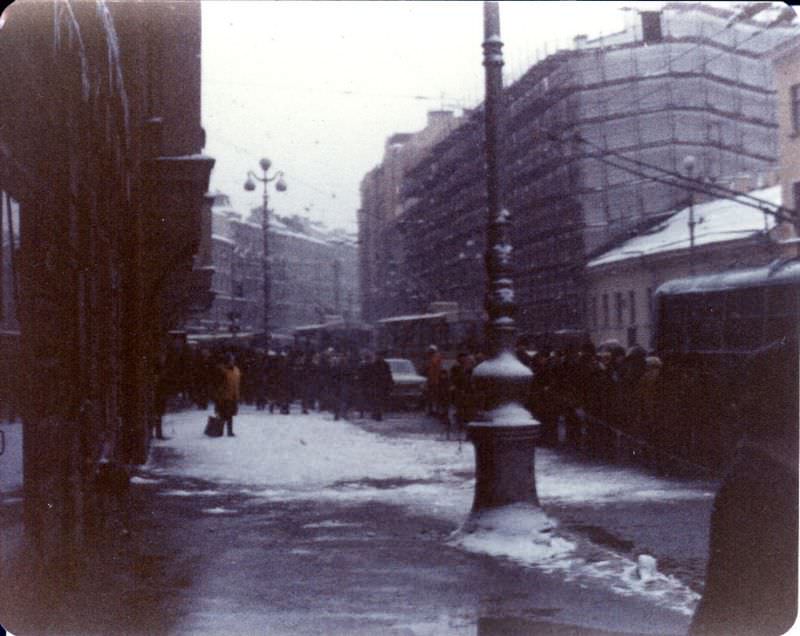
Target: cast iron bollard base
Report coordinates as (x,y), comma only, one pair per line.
(504,459)
(504,435)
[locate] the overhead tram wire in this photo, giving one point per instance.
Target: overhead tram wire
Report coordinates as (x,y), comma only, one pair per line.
(712,189)
(681,181)
(459,104)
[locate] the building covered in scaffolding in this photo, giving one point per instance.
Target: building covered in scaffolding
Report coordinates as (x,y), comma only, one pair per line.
(596,141)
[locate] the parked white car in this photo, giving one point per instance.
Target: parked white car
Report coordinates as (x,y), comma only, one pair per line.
(409,386)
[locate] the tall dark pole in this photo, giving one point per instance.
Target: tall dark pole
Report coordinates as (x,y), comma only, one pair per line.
(280,186)
(265,258)
(504,435)
(500,298)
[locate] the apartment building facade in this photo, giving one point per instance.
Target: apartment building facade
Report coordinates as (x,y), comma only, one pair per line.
(594,148)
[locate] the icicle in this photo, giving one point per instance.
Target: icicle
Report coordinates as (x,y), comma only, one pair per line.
(116,81)
(76,31)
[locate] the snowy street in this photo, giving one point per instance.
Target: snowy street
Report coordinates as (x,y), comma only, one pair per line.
(301,524)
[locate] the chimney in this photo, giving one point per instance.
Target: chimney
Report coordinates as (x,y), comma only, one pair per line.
(651,27)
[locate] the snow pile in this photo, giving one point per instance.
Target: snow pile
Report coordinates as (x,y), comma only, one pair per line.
(521,533)
(639,578)
(526,535)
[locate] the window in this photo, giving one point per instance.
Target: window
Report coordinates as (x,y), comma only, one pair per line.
(620,305)
(632,306)
(781,312)
(704,321)
(794,98)
(605,310)
(744,318)
(238,289)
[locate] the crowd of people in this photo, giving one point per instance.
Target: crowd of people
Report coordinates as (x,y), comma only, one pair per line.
(328,380)
(609,402)
(603,401)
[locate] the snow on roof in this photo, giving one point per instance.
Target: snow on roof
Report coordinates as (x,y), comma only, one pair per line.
(276,226)
(222,239)
(717,221)
(303,237)
(778,273)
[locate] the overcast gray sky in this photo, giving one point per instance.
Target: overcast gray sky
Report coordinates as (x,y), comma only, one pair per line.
(318,86)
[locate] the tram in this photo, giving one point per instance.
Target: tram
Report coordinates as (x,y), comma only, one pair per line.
(445,325)
(728,314)
(339,334)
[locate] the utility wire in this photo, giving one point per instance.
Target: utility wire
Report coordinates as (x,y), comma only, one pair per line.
(680,180)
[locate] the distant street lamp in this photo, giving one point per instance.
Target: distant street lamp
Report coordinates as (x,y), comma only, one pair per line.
(280,186)
(689,163)
(504,435)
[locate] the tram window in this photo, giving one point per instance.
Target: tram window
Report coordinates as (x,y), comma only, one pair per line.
(782,301)
(744,319)
(672,318)
(743,333)
(705,323)
(778,327)
(746,302)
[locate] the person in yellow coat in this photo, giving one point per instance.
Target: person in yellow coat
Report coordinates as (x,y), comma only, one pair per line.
(227,402)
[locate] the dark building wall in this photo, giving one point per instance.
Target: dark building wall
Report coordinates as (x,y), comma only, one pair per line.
(80,132)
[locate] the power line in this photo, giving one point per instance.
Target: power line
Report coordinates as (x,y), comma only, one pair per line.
(681,181)
(452,103)
(712,189)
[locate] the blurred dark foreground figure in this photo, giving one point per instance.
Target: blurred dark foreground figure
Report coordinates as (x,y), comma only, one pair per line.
(751,580)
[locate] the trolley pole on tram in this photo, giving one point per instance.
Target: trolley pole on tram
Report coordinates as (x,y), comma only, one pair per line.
(504,434)
(689,163)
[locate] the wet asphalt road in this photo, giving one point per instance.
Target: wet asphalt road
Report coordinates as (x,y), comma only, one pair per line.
(326,567)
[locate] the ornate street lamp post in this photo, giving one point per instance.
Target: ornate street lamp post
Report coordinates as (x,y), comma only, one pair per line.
(280,186)
(504,435)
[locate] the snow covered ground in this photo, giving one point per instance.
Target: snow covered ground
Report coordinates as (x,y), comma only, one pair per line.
(312,457)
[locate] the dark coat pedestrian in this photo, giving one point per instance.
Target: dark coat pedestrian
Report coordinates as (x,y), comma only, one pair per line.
(462,389)
(202,378)
(161,394)
(380,386)
(309,384)
(364,381)
(345,374)
(282,378)
(541,402)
